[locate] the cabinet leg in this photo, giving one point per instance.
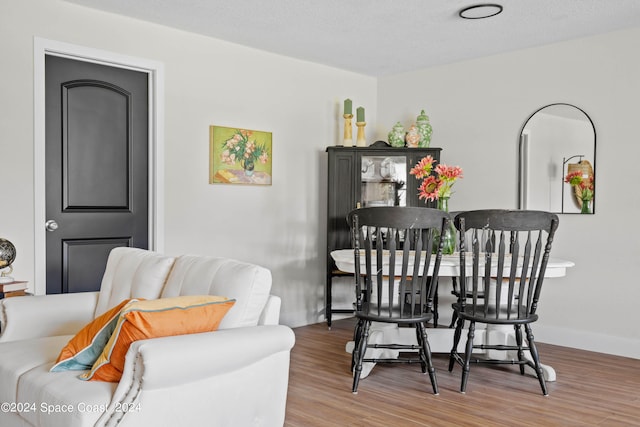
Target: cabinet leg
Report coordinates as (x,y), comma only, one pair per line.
(327,306)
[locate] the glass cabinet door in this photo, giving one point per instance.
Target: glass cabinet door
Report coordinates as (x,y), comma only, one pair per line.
(383,181)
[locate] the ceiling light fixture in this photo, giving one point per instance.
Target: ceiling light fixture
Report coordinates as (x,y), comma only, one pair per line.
(480,11)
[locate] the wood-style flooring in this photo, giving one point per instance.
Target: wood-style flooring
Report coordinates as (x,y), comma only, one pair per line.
(592,389)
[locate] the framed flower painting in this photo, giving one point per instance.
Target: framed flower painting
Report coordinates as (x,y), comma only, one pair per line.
(239,156)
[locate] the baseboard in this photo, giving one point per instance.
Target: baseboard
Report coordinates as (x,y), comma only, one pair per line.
(590,341)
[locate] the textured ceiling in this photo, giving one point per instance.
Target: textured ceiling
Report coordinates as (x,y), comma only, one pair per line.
(381,37)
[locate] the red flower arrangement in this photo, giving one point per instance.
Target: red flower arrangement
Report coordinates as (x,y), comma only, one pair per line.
(584,184)
(435,187)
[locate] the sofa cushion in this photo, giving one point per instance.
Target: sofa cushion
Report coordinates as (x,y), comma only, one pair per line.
(248,284)
(18,357)
(163,317)
(83,349)
(61,399)
(132,273)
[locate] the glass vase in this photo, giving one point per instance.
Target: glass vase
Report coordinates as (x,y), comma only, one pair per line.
(449,238)
(585,207)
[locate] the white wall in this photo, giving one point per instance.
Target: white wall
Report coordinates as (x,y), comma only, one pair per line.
(206,82)
(477,109)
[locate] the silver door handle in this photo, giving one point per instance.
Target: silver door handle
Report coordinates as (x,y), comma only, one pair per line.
(51,225)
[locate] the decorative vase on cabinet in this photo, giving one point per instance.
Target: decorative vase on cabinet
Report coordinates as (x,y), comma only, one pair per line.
(413,137)
(396,136)
(424,129)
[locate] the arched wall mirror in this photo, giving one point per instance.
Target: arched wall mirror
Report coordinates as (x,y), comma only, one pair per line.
(557,142)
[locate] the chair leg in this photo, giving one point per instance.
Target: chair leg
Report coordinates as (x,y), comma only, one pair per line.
(521,359)
(467,357)
(536,359)
(456,341)
(425,356)
(454,317)
(357,335)
(434,310)
(423,360)
(454,283)
(360,351)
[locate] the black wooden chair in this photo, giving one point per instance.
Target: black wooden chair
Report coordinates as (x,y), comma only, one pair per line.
(508,253)
(395,242)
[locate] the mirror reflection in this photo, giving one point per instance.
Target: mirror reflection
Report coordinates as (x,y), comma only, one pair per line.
(557,160)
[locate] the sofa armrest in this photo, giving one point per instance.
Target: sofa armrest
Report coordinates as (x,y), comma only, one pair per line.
(45,315)
(271,313)
(236,375)
(182,359)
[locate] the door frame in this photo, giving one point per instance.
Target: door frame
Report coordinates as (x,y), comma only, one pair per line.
(155,71)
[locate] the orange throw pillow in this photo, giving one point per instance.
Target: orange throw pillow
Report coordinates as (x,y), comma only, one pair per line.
(163,317)
(83,349)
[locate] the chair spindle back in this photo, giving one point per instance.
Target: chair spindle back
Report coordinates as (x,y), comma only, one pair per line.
(396,242)
(509,251)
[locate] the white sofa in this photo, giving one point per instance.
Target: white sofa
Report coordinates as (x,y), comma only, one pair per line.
(236,376)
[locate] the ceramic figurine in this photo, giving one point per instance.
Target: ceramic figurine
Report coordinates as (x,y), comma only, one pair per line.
(424,129)
(413,137)
(396,136)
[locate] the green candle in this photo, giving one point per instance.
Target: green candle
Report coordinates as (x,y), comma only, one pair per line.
(360,114)
(347,106)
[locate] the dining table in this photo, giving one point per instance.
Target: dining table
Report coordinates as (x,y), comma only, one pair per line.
(441,338)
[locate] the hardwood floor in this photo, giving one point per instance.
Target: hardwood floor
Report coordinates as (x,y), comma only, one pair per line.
(592,389)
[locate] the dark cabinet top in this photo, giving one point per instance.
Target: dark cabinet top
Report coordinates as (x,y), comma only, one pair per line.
(375,147)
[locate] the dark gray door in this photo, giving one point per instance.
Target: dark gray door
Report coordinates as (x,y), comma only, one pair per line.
(96,169)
